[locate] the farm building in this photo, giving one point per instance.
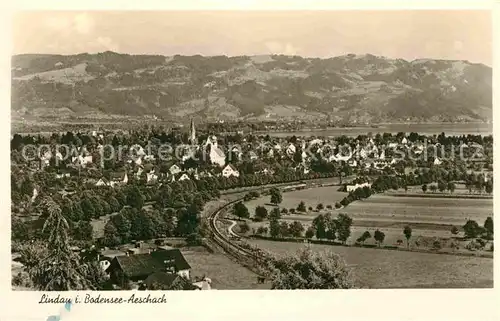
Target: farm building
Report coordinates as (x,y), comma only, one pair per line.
(138,267)
(350,188)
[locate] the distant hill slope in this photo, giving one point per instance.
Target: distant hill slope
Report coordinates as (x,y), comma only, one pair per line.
(351,88)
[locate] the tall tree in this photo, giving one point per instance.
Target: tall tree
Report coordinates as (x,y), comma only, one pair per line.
(276,197)
(344,223)
(379,236)
(135,198)
(61,269)
(260,213)
(241,210)
(274,228)
(488,227)
(407,232)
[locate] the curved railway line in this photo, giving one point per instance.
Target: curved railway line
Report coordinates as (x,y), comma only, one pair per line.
(231,247)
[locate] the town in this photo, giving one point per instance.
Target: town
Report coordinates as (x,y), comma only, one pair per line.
(183,208)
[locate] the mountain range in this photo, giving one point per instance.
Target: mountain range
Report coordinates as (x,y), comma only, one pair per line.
(352,88)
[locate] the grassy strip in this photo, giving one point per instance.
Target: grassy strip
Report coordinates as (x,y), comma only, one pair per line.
(371,246)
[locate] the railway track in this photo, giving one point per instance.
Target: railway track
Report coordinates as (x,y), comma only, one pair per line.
(231,247)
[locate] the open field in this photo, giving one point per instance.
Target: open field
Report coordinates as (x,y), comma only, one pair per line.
(376,268)
(225,273)
(423,210)
(428,217)
(385,210)
(326,195)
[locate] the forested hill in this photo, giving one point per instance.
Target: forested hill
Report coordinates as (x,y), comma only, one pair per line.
(350,88)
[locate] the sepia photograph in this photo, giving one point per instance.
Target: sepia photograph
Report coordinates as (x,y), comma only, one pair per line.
(251,150)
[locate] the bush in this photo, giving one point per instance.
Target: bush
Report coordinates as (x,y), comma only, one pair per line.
(436,245)
(193,239)
(22,279)
(338,205)
(481,242)
(329,207)
(244,227)
(292,211)
(284,211)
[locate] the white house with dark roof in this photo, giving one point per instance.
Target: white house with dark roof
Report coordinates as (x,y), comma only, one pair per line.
(174,169)
(229,171)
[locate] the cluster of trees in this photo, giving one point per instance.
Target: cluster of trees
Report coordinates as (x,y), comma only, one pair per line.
(478,184)
(174,210)
(441,186)
(472,229)
(327,227)
(175,213)
(281,229)
(357,194)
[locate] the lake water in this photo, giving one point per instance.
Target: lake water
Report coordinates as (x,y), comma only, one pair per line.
(449,129)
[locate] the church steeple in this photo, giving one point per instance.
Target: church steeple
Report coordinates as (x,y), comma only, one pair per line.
(192,137)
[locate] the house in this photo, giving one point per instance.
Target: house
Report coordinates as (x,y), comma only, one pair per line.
(204,284)
(34,195)
(252,155)
(164,281)
(151,177)
(316,141)
(265,171)
(404,141)
(174,169)
(118,178)
(291,149)
(437,161)
(138,267)
(351,188)
(184,177)
(236,150)
(45,158)
(82,160)
(62,175)
(102,182)
(229,170)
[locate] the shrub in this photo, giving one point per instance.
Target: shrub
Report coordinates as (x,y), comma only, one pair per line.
(481,242)
(329,207)
(338,205)
(436,245)
(292,210)
(262,230)
(193,239)
(22,279)
(244,227)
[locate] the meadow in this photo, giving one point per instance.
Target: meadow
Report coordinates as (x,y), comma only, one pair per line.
(225,273)
(378,268)
(428,217)
(326,195)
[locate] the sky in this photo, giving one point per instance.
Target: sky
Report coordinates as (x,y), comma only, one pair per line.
(409,34)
